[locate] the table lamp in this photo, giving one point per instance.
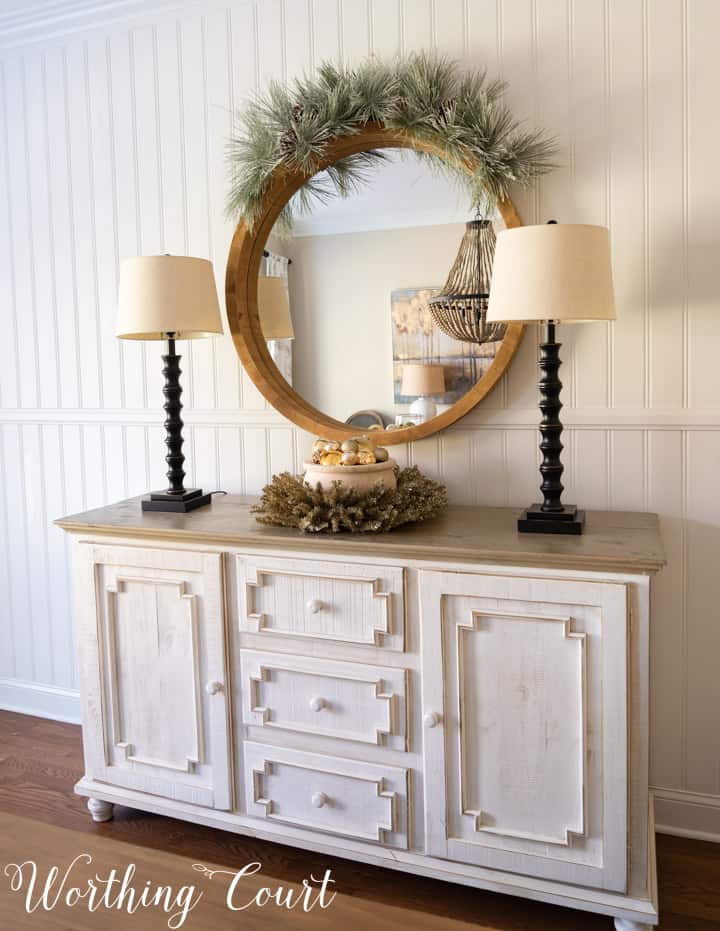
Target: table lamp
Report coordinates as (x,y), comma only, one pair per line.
(169,297)
(420,380)
(274,308)
(555,272)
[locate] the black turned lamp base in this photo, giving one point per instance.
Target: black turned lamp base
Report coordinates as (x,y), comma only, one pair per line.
(186,501)
(535,520)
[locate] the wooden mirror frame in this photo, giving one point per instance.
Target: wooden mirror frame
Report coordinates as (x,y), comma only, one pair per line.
(243,268)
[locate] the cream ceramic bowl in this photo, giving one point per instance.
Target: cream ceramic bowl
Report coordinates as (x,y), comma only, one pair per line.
(360,477)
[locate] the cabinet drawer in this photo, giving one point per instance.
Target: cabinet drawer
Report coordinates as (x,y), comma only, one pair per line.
(314,601)
(323,793)
(349,701)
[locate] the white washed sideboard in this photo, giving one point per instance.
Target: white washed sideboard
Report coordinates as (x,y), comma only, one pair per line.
(452,699)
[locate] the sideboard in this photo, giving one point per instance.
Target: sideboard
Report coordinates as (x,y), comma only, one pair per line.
(451,699)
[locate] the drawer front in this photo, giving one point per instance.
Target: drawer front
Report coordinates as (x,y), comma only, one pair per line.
(312,600)
(318,697)
(323,793)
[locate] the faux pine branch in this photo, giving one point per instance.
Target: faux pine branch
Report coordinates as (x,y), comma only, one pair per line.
(426,97)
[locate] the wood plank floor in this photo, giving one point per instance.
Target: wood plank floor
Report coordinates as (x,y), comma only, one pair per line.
(41,819)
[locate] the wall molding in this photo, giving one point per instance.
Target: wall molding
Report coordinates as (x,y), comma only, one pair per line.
(43,701)
(687,814)
(478,419)
(261,417)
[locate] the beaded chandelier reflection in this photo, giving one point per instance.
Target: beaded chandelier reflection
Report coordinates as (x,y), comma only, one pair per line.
(460,308)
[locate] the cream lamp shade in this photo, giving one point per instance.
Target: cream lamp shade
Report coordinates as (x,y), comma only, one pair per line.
(422,379)
(554,271)
(161,294)
(274,308)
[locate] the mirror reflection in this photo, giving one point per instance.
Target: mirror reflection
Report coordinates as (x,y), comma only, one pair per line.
(373,306)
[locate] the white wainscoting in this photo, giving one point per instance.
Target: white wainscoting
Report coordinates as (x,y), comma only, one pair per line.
(113,121)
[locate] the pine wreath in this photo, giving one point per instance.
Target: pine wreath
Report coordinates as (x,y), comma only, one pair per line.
(427,97)
(288,501)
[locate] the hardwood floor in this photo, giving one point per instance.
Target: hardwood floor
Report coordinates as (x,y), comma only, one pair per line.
(41,819)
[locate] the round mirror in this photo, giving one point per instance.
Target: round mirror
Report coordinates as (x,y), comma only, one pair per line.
(367,314)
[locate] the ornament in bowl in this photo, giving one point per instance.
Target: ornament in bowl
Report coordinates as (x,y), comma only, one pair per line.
(356,462)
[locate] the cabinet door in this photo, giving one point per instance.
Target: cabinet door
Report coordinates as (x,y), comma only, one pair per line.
(152,644)
(525,714)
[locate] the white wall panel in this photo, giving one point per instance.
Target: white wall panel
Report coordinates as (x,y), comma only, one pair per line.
(385,27)
(668,670)
(628,197)
(702,738)
(666,231)
(703,193)
(126,196)
(102,160)
(9,384)
(81,187)
(18,626)
(21,241)
(112,143)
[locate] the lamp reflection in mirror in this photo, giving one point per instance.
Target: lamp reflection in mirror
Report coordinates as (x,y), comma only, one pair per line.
(169,297)
(274,308)
(275,319)
(422,380)
(552,273)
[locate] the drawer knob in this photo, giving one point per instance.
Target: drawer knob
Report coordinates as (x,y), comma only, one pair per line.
(319,799)
(317,703)
(314,606)
(212,688)
(431,719)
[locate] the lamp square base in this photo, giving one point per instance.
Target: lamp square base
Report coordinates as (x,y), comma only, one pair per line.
(188,501)
(534,520)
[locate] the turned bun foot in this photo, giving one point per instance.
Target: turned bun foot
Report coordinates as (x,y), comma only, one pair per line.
(625,924)
(100,810)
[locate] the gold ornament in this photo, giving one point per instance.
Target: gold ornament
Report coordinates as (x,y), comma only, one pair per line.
(350,459)
(366,457)
(364,442)
(331,458)
(381,454)
(318,448)
(332,446)
(350,446)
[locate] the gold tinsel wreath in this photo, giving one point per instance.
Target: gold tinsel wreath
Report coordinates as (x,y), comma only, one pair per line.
(288,501)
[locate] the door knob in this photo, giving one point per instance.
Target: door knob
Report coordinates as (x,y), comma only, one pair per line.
(317,703)
(314,606)
(319,799)
(431,719)
(212,688)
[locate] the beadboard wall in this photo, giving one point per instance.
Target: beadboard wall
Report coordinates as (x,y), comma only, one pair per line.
(113,123)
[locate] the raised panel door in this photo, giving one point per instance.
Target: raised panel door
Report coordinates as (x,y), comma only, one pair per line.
(525,738)
(156,689)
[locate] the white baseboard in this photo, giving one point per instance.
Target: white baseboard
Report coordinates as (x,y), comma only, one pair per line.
(687,814)
(44,701)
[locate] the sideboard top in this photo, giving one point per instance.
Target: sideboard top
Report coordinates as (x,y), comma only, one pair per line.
(613,540)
